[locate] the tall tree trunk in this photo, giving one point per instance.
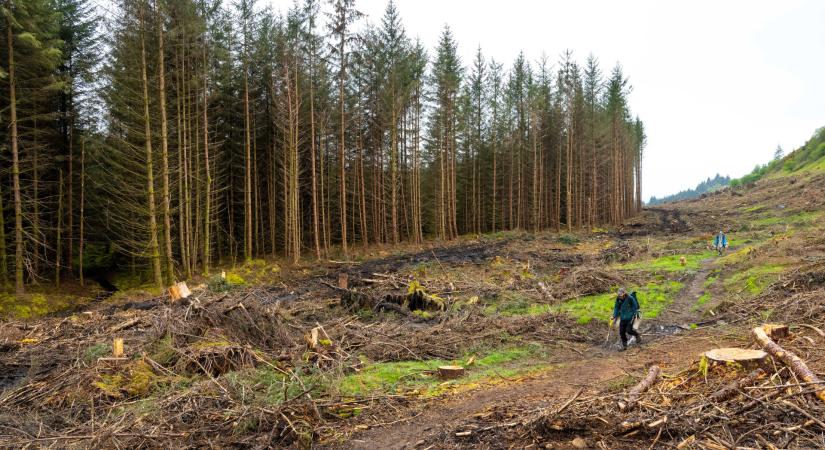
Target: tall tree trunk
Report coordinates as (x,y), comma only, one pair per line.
(19,287)
(81,235)
(341,151)
(207,199)
(248,164)
(154,252)
(164,139)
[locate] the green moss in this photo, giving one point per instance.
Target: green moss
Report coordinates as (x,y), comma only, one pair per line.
(137,380)
(29,306)
(653,298)
(670,263)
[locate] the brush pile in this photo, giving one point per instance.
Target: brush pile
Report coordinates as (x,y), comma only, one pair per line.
(237,368)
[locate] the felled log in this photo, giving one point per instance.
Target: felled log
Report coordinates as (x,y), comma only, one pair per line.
(795,363)
(636,392)
(450,372)
(733,389)
(748,359)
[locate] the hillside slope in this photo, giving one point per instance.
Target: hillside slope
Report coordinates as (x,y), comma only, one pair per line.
(296,361)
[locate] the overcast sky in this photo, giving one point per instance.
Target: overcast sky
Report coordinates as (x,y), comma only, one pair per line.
(719,84)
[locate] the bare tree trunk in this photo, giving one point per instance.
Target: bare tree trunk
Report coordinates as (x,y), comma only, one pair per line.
(164,137)
(248,164)
(19,287)
(207,199)
(341,151)
(312,151)
(82,206)
(154,253)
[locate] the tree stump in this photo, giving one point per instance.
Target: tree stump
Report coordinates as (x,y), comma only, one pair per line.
(179,291)
(776,331)
(450,372)
(746,358)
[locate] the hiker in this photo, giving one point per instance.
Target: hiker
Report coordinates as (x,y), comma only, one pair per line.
(721,242)
(626,311)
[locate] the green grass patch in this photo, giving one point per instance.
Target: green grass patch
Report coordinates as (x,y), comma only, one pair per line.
(754,280)
(405,376)
(706,297)
(756,208)
(670,263)
(802,219)
(653,298)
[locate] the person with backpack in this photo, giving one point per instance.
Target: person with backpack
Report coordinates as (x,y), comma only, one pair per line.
(626,311)
(721,242)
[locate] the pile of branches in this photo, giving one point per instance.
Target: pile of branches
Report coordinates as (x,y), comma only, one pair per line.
(588,280)
(170,389)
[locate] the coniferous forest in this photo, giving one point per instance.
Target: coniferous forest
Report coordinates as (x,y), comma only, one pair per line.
(168,137)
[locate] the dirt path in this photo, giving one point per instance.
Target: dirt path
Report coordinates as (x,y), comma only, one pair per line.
(593,372)
(673,346)
(681,313)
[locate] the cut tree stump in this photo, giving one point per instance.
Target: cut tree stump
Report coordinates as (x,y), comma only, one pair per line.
(343,280)
(450,372)
(746,358)
(795,363)
(179,291)
(776,331)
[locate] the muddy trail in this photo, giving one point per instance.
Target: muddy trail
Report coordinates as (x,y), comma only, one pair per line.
(668,341)
(429,423)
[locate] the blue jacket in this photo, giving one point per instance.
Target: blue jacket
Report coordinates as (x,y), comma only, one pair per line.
(720,241)
(626,308)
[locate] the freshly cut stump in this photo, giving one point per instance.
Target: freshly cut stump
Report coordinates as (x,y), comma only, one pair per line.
(776,331)
(747,358)
(450,372)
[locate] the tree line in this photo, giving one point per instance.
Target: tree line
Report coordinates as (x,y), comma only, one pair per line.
(706,186)
(173,136)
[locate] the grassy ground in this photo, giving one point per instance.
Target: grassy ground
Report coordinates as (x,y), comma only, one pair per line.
(669,263)
(653,298)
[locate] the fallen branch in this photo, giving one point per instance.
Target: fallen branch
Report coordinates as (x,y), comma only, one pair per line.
(129,323)
(795,363)
(636,391)
(732,389)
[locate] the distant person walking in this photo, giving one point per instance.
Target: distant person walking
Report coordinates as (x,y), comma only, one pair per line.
(721,242)
(626,311)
